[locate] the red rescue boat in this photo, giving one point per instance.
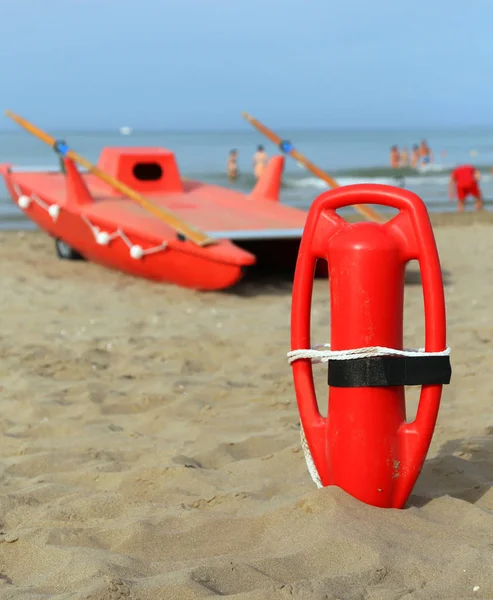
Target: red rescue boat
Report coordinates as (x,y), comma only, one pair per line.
(90,217)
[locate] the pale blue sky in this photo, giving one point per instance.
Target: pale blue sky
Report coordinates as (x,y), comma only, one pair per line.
(189,64)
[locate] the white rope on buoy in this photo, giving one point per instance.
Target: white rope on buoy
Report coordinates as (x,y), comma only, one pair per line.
(321,353)
(312,469)
(318,356)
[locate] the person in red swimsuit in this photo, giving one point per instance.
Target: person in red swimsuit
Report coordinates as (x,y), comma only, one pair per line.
(464,182)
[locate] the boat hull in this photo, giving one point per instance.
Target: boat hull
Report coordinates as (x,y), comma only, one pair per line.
(102,224)
(167,261)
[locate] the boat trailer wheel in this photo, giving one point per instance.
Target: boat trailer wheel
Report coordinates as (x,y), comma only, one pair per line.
(66,252)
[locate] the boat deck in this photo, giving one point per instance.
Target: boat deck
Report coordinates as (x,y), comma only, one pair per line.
(220,212)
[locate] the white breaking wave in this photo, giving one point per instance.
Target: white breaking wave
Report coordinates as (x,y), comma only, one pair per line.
(314,182)
(433,167)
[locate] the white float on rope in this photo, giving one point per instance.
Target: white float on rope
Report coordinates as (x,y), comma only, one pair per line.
(23,201)
(54,211)
(103,238)
(136,251)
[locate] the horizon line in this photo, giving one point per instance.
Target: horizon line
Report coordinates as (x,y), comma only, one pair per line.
(311,129)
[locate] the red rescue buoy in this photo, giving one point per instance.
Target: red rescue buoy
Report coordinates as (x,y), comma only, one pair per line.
(365,445)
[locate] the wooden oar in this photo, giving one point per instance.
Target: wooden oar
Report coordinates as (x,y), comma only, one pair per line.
(198,237)
(286,147)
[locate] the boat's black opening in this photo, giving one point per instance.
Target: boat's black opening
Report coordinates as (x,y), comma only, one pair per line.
(148,171)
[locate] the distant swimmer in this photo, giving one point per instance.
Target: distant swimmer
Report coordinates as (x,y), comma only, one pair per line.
(260,159)
(425,153)
(464,182)
(414,156)
(394,157)
(404,160)
(232,165)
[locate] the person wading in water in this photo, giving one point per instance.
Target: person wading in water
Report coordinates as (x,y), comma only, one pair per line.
(464,182)
(232,165)
(259,161)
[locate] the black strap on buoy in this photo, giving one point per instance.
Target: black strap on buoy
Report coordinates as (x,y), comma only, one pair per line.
(383,371)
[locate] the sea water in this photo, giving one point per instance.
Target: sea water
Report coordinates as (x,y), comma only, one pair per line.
(348,156)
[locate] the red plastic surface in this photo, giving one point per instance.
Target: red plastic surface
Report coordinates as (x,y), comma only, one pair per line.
(365,446)
(119,162)
(224,212)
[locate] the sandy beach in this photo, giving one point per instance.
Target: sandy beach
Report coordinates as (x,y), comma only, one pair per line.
(151,445)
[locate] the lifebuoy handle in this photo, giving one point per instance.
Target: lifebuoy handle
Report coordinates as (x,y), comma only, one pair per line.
(415,229)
